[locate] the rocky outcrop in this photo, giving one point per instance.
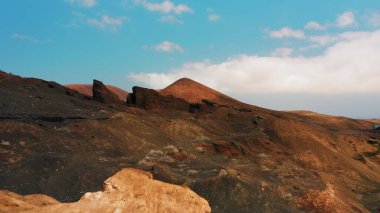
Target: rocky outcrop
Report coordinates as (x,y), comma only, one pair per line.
(152,100)
(86,89)
(129,190)
(102,94)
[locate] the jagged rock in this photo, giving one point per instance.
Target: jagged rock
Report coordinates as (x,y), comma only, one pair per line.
(102,94)
(129,190)
(151,99)
(86,89)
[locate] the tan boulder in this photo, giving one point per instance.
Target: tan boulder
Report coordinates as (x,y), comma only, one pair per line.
(129,190)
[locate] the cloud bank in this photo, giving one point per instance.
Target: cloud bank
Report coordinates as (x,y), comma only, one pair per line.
(350,65)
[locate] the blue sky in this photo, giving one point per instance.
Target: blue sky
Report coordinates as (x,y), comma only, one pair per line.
(153,42)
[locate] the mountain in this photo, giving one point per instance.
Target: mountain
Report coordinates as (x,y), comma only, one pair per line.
(194,92)
(87,90)
(240,158)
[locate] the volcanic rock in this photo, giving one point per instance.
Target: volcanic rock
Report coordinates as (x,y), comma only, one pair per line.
(129,190)
(86,89)
(151,99)
(102,94)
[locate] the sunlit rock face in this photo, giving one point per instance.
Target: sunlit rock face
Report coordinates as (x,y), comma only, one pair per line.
(129,190)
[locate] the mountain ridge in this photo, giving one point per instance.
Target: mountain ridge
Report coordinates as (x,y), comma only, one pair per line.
(61,143)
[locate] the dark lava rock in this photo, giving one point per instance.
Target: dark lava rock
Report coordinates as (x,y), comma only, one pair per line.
(152,100)
(102,94)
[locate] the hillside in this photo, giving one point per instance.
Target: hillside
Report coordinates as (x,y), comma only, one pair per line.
(194,92)
(238,157)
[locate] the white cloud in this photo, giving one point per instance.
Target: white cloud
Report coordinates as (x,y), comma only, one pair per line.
(213,17)
(167,46)
(26,38)
(165,7)
(83,3)
(170,19)
(107,22)
(374,18)
(287,32)
(282,52)
(312,25)
(323,39)
(346,19)
(349,66)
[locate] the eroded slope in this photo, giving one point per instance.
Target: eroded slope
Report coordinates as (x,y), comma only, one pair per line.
(240,160)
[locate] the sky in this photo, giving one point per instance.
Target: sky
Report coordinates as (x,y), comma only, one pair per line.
(313,55)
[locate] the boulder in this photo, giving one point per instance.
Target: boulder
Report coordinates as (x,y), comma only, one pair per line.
(129,190)
(103,95)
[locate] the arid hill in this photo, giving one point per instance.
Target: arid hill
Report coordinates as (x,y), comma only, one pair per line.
(194,92)
(240,158)
(86,89)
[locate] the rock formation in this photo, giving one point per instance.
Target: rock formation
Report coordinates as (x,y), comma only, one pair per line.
(86,89)
(102,94)
(129,190)
(151,99)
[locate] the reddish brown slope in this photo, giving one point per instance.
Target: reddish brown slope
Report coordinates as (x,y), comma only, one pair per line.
(195,92)
(87,90)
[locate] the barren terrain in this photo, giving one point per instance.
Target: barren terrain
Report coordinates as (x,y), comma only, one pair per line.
(240,158)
